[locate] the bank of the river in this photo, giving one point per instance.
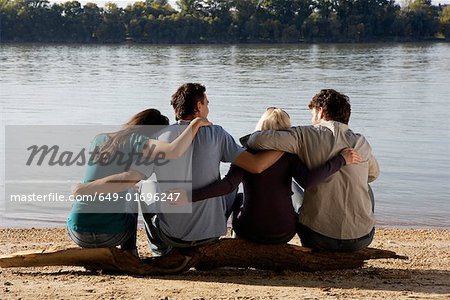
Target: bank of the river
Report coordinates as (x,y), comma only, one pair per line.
(426,275)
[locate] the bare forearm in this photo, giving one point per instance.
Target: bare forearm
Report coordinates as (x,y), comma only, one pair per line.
(259,162)
(110,184)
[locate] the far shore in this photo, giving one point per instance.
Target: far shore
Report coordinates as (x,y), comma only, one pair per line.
(426,275)
(241,43)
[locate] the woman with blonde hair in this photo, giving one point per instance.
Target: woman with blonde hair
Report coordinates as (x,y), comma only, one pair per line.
(264,213)
(273,118)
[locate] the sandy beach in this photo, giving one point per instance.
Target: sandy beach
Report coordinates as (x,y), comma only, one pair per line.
(426,275)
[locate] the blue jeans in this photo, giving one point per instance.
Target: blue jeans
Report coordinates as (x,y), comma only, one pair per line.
(161,244)
(315,240)
(125,239)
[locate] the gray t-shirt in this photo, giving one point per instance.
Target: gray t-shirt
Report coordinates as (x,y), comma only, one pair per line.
(199,166)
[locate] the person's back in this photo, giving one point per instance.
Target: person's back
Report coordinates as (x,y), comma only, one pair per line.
(110,219)
(341,208)
(105,216)
(211,146)
(267,214)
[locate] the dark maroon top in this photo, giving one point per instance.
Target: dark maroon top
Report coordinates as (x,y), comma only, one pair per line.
(267,214)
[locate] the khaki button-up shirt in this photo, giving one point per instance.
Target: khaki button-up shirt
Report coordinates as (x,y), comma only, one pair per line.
(340,207)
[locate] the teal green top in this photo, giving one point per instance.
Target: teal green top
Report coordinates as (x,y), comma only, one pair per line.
(87,216)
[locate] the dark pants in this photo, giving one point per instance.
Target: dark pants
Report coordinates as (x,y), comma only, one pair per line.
(260,237)
(315,240)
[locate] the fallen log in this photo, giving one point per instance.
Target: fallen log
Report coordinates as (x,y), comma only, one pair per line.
(223,253)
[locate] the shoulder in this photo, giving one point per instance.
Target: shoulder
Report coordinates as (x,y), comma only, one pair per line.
(136,137)
(169,133)
(306,130)
(215,131)
(361,141)
(100,139)
(214,128)
(358,137)
(137,141)
(303,128)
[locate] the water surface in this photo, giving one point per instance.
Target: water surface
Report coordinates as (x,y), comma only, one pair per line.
(399,95)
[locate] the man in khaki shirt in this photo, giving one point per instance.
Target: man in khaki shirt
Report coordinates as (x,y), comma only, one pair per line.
(338,213)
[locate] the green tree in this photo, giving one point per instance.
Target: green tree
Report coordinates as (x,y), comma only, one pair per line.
(191,7)
(444,21)
(112,29)
(91,19)
(73,22)
(323,23)
(219,18)
(422,19)
(366,19)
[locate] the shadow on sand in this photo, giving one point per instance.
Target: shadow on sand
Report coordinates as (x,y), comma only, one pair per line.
(368,278)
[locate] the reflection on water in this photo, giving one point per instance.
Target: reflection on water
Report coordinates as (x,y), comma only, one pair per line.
(399,95)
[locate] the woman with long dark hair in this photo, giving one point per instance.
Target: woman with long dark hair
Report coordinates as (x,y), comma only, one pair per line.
(111,219)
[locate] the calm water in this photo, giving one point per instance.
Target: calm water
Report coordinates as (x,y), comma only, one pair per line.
(399,94)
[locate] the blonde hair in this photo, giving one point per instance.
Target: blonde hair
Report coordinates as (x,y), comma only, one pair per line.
(274,118)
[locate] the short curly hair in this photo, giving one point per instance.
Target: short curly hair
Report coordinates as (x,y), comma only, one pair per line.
(336,106)
(184,100)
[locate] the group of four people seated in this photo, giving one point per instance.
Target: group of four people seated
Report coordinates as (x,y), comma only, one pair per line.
(331,163)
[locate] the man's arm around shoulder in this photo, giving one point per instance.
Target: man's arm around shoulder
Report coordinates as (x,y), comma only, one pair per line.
(283,140)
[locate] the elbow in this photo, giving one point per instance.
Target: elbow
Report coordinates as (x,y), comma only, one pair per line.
(259,170)
(174,153)
(77,190)
(256,169)
(371,179)
(173,156)
(250,142)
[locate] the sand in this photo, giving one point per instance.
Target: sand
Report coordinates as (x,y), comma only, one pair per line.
(426,275)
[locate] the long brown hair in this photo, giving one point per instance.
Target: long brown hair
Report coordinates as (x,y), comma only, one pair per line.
(136,124)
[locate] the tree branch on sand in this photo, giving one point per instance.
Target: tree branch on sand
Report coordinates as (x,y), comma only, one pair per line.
(223,253)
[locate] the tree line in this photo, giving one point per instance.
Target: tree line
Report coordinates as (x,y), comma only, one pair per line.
(224,21)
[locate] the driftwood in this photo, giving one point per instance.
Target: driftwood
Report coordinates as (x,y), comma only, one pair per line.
(223,253)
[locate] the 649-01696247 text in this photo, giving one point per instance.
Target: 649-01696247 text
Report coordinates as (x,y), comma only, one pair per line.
(101,197)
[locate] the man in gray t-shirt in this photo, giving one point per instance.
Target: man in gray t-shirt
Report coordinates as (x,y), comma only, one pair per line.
(207,219)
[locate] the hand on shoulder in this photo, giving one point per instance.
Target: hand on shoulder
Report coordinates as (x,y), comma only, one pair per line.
(351,156)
